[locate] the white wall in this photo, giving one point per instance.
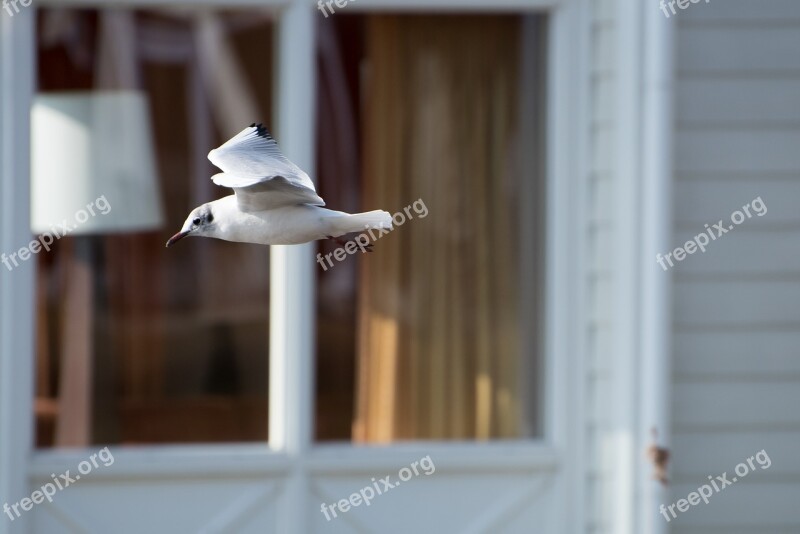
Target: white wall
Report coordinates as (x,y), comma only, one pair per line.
(600,231)
(16,287)
(736,376)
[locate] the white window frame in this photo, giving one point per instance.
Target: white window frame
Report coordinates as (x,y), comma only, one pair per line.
(16,288)
(291,449)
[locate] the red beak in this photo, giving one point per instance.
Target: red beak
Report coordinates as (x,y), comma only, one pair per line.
(177,237)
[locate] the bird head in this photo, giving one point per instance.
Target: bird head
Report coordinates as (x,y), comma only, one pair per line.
(198,223)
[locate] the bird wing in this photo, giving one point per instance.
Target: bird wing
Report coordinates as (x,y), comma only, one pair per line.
(260,175)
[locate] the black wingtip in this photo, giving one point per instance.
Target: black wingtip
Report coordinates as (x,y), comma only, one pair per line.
(261,130)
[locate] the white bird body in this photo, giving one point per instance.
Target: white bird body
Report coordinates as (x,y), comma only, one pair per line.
(275,202)
(287,225)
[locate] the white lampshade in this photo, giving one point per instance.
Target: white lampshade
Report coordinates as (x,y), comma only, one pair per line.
(87,145)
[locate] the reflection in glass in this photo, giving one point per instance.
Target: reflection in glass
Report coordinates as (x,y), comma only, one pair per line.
(437,119)
(136,343)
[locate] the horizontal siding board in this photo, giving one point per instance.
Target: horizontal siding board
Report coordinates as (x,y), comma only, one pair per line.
(700,455)
(706,201)
(730,177)
(727,303)
(699,101)
(736,150)
(736,403)
(745,504)
(738,253)
(737,529)
(736,363)
(742,354)
(737,49)
(748,11)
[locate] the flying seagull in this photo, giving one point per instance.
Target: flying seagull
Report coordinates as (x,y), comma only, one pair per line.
(275,202)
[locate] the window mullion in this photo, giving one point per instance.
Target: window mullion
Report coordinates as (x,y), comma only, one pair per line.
(292,281)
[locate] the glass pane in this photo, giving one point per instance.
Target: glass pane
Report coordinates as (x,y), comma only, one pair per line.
(435,334)
(138,343)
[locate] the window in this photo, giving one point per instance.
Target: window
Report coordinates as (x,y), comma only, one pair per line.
(137,343)
(437,334)
(437,119)
(266,488)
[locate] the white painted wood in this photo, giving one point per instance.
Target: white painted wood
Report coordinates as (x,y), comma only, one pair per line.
(600,408)
(736,529)
(656,299)
(726,150)
(632,148)
(249,479)
(709,50)
(601,248)
(600,346)
(755,101)
(742,508)
(743,11)
(292,276)
(741,354)
(605,47)
(500,504)
(741,256)
(362,5)
(604,104)
(292,282)
(126,4)
(733,403)
(169,462)
(197,504)
(453,457)
(456,5)
(702,201)
(565,366)
(603,12)
(603,305)
(231,475)
(603,148)
(703,454)
(711,303)
(16,286)
(601,198)
(626,269)
(737,373)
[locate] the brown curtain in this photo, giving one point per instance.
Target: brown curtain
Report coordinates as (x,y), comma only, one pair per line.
(439,345)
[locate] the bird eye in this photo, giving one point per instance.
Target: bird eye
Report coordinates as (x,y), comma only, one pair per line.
(196,221)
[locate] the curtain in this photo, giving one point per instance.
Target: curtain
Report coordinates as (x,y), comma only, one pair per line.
(439,329)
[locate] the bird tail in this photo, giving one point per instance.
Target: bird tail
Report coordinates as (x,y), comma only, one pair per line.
(359,222)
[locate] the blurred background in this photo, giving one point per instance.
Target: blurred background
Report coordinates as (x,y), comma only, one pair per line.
(178,340)
(521,333)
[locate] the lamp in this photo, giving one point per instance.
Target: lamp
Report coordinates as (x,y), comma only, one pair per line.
(91,144)
(85,146)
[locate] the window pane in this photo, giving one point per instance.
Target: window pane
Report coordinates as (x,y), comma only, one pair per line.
(436,333)
(137,343)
